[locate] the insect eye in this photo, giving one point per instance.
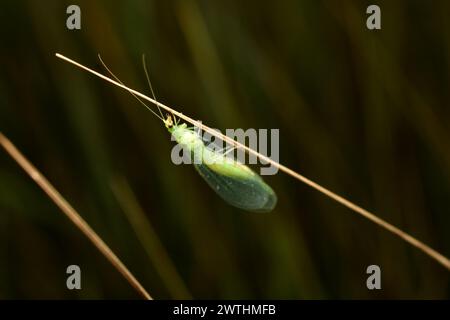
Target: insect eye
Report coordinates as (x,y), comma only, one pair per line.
(169,121)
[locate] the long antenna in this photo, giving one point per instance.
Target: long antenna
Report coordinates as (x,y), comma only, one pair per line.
(134,95)
(347,203)
(144,65)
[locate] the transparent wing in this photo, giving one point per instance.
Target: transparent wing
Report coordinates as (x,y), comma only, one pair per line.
(247,192)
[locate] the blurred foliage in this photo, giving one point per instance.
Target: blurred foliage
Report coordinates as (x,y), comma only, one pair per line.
(365,113)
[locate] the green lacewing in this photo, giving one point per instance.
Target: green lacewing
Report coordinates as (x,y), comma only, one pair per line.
(233,181)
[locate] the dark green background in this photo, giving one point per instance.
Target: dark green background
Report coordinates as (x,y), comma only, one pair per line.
(365,113)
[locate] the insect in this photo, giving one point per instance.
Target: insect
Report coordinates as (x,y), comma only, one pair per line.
(233,181)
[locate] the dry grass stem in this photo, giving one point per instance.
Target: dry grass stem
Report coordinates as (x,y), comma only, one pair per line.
(71,213)
(347,203)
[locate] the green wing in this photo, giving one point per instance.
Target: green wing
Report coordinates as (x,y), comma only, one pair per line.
(234,182)
(238,185)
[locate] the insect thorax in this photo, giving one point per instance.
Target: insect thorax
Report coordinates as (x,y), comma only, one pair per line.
(188,138)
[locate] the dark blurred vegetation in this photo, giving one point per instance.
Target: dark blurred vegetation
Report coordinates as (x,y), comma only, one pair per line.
(365,113)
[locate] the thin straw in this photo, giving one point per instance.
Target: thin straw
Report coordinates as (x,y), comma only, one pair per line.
(71,213)
(347,203)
